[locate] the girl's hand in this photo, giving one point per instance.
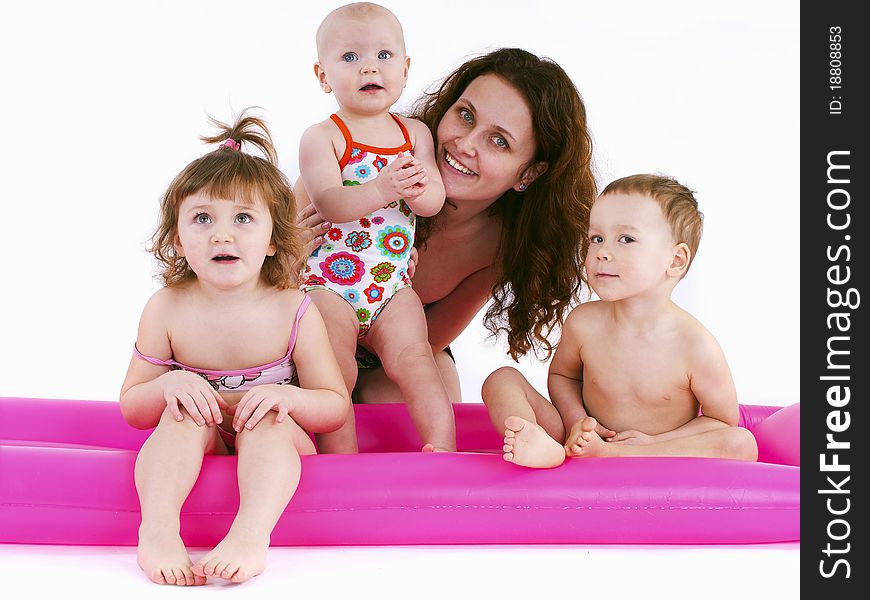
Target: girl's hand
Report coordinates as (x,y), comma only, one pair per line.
(314,228)
(260,400)
(405,178)
(201,401)
(631,437)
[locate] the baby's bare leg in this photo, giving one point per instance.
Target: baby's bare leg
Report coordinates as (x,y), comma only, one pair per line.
(728,442)
(166,469)
(400,338)
(532,427)
(342,328)
(268,471)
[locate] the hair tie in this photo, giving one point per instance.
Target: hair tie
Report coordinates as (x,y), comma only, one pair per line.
(231,144)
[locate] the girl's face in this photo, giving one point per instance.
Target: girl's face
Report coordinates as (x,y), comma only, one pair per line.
(485,140)
(224,241)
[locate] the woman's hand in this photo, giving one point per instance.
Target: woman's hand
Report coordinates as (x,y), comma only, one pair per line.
(314,228)
(260,400)
(412,262)
(191,391)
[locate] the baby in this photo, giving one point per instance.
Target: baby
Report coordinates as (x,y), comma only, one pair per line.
(634,374)
(369,172)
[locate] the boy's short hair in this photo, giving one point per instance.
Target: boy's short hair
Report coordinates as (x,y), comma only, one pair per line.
(677,202)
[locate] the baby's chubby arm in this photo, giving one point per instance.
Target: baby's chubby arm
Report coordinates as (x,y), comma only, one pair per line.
(320,403)
(149,389)
(565,377)
(426,197)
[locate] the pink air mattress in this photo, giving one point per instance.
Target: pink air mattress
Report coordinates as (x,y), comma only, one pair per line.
(66,477)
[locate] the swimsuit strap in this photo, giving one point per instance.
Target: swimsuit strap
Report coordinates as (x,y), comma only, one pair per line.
(299,312)
(349,144)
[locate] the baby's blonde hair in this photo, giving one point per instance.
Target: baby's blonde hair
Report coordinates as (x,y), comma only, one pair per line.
(230,173)
(358,10)
(677,202)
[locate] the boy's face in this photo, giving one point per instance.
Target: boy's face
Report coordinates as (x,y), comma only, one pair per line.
(361,59)
(631,249)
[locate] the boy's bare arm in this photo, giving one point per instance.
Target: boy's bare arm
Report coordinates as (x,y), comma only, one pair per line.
(321,176)
(565,377)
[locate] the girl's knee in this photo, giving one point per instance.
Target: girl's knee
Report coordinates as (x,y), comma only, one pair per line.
(269,429)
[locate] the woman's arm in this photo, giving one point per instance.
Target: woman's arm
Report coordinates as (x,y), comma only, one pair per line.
(448,317)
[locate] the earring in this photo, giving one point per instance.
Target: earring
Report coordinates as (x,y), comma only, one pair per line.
(522,187)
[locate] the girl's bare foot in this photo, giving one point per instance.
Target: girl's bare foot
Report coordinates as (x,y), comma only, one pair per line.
(164,559)
(586,441)
(238,557)
(528,445)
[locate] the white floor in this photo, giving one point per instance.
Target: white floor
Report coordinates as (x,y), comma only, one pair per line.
(415,572)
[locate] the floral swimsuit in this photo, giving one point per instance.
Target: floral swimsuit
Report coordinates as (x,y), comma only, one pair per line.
(365,261)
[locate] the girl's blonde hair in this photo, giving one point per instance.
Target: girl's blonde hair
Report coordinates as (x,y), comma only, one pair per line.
(227,172)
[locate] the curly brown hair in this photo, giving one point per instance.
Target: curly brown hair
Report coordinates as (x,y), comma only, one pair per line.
(544,226)
(230,173)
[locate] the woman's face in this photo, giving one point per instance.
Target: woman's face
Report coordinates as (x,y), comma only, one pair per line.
(485,140)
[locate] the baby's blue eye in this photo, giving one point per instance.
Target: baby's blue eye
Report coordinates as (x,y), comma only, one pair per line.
(243,218)
(349,57)
(385,54)
(202,218)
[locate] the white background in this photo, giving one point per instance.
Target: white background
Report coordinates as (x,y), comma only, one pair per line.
(103,103)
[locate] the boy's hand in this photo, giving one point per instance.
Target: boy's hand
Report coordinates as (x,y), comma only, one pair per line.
(631,437)
(260,400)
(194,393)
(405,178)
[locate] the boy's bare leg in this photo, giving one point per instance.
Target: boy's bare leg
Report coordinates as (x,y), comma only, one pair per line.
(342,328)
(727,442)
(400,338)
(166,469)
(268,471)
(532,427)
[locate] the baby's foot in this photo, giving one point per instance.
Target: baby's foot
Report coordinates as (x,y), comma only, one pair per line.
(432,448)
(588,442)
(164,559)
(528,445)
(237,558)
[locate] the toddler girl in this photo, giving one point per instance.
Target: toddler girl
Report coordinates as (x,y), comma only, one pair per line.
(230,357)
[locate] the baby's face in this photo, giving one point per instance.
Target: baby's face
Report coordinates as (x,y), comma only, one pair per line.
(630,246)
(361,59)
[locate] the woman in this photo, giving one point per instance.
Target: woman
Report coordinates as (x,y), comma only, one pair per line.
(515,156)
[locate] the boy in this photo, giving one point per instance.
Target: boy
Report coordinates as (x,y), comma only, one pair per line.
(632,369)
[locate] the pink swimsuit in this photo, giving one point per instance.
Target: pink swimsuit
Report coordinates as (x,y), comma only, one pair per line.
(281,371)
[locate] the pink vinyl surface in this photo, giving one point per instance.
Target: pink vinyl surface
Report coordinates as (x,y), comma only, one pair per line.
(66,477)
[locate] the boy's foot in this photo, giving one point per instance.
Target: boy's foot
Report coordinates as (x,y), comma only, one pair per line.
(588,443)
(164,559)
(237,558)
(528,445)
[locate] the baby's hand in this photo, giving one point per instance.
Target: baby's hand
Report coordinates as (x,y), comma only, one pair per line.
(260,400)
(631,437)
(194,393)
(405,178)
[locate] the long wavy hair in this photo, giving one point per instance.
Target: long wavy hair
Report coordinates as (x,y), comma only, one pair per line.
(230,173)
(545,227)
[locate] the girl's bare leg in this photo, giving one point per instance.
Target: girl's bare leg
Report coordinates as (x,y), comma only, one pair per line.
(166,469)
(728,442)
(533,430)
(342,328)
(268,471)
(400,338)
